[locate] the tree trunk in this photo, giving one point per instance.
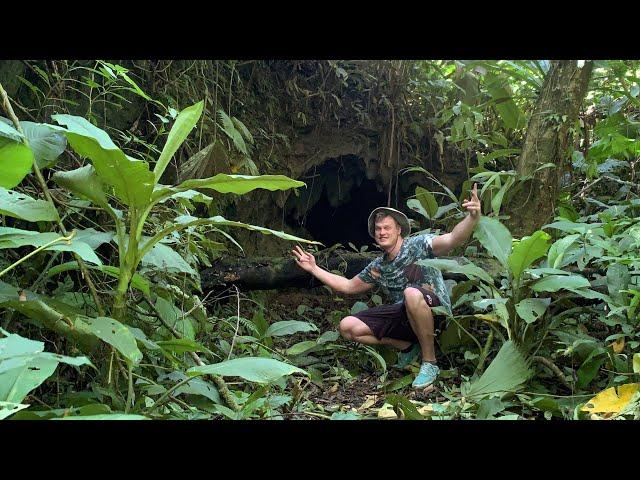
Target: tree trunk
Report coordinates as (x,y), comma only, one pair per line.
(548,138)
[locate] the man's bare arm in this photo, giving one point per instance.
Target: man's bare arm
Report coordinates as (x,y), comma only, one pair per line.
(307,262)
(443,244)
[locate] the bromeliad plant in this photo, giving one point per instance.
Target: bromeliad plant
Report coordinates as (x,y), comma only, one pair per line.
(138,188)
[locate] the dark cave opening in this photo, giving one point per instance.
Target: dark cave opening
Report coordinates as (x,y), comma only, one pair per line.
(337,202)
(348,222)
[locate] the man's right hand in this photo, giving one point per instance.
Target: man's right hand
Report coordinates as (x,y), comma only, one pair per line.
(305,260)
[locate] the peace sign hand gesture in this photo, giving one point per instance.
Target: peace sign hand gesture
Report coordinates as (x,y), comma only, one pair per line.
(473,205)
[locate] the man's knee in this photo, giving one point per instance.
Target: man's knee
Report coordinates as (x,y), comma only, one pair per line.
(346,327)
(413,298)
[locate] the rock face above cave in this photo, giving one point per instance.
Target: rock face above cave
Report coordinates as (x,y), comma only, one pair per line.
(345,180)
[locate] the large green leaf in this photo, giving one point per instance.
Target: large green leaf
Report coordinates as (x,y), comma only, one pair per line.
(7,131)
(115,334)
(181,345)
(427,200)
(618,278)
(507,372)
(197,386)
(24,365)
(238,184)
(48,312)
(559,247)
(553,283)
(137,281)
(527,251)
(289,327)
(470,270)
(19,205)
(187,119)
(530,309)
(163,257)
(229,128)
(16,160)
(574,227)
(15,238)
(132,180)
(187,220)
(17,382)
(253,369)
(498,88)
(84,182)
(9,408)
(301,347)
(47,143)
(495,237)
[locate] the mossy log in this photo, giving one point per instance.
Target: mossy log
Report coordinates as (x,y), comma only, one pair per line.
(267,273)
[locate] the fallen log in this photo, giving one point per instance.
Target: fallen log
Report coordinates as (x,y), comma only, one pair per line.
(268,273)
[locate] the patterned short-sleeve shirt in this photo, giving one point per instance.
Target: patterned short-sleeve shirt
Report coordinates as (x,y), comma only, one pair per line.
(402,272)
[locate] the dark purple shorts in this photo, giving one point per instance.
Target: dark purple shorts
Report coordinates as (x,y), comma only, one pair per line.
(391,321)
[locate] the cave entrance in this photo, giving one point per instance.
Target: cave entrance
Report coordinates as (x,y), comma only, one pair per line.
(337,202)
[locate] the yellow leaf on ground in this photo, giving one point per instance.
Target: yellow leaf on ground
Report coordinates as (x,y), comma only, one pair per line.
(618,345)
(426,410)
(386,411)
(611,401)
(368,402)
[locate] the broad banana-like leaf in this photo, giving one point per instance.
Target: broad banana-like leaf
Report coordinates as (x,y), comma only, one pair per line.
(498,87)
(19,205)
(559,247)
(16,160)
(131,178)
(289,327)
(495,237)
(24,365)
(253,369)
(427,200)
(47,143)
(163,257)
(115,334)
(238,184)
(553,283)
(84,182)
(187,119)
(15,238)
(527,251)
(530,309)
(8,131)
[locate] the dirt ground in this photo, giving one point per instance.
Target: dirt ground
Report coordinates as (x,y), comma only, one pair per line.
(361,393)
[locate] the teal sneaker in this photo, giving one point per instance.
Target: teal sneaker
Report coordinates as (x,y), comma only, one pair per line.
(427,375)
(407,358)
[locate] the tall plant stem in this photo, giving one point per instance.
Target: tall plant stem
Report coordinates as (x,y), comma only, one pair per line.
(83,268)
(217,379)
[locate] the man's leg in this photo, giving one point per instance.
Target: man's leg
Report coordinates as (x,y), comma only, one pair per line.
(421,320)
(352,328)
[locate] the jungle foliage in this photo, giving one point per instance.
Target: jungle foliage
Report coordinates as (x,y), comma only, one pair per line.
(101,243)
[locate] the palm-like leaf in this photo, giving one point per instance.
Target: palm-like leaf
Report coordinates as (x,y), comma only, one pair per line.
(507,372)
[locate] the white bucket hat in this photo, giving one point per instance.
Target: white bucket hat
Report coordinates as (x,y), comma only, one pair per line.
(398,216)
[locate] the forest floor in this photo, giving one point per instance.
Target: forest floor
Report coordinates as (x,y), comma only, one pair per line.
(365,389)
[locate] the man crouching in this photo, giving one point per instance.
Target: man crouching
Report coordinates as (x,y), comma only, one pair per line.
(407,323)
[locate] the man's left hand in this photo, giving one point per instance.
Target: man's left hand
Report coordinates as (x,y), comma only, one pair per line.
(473,205)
